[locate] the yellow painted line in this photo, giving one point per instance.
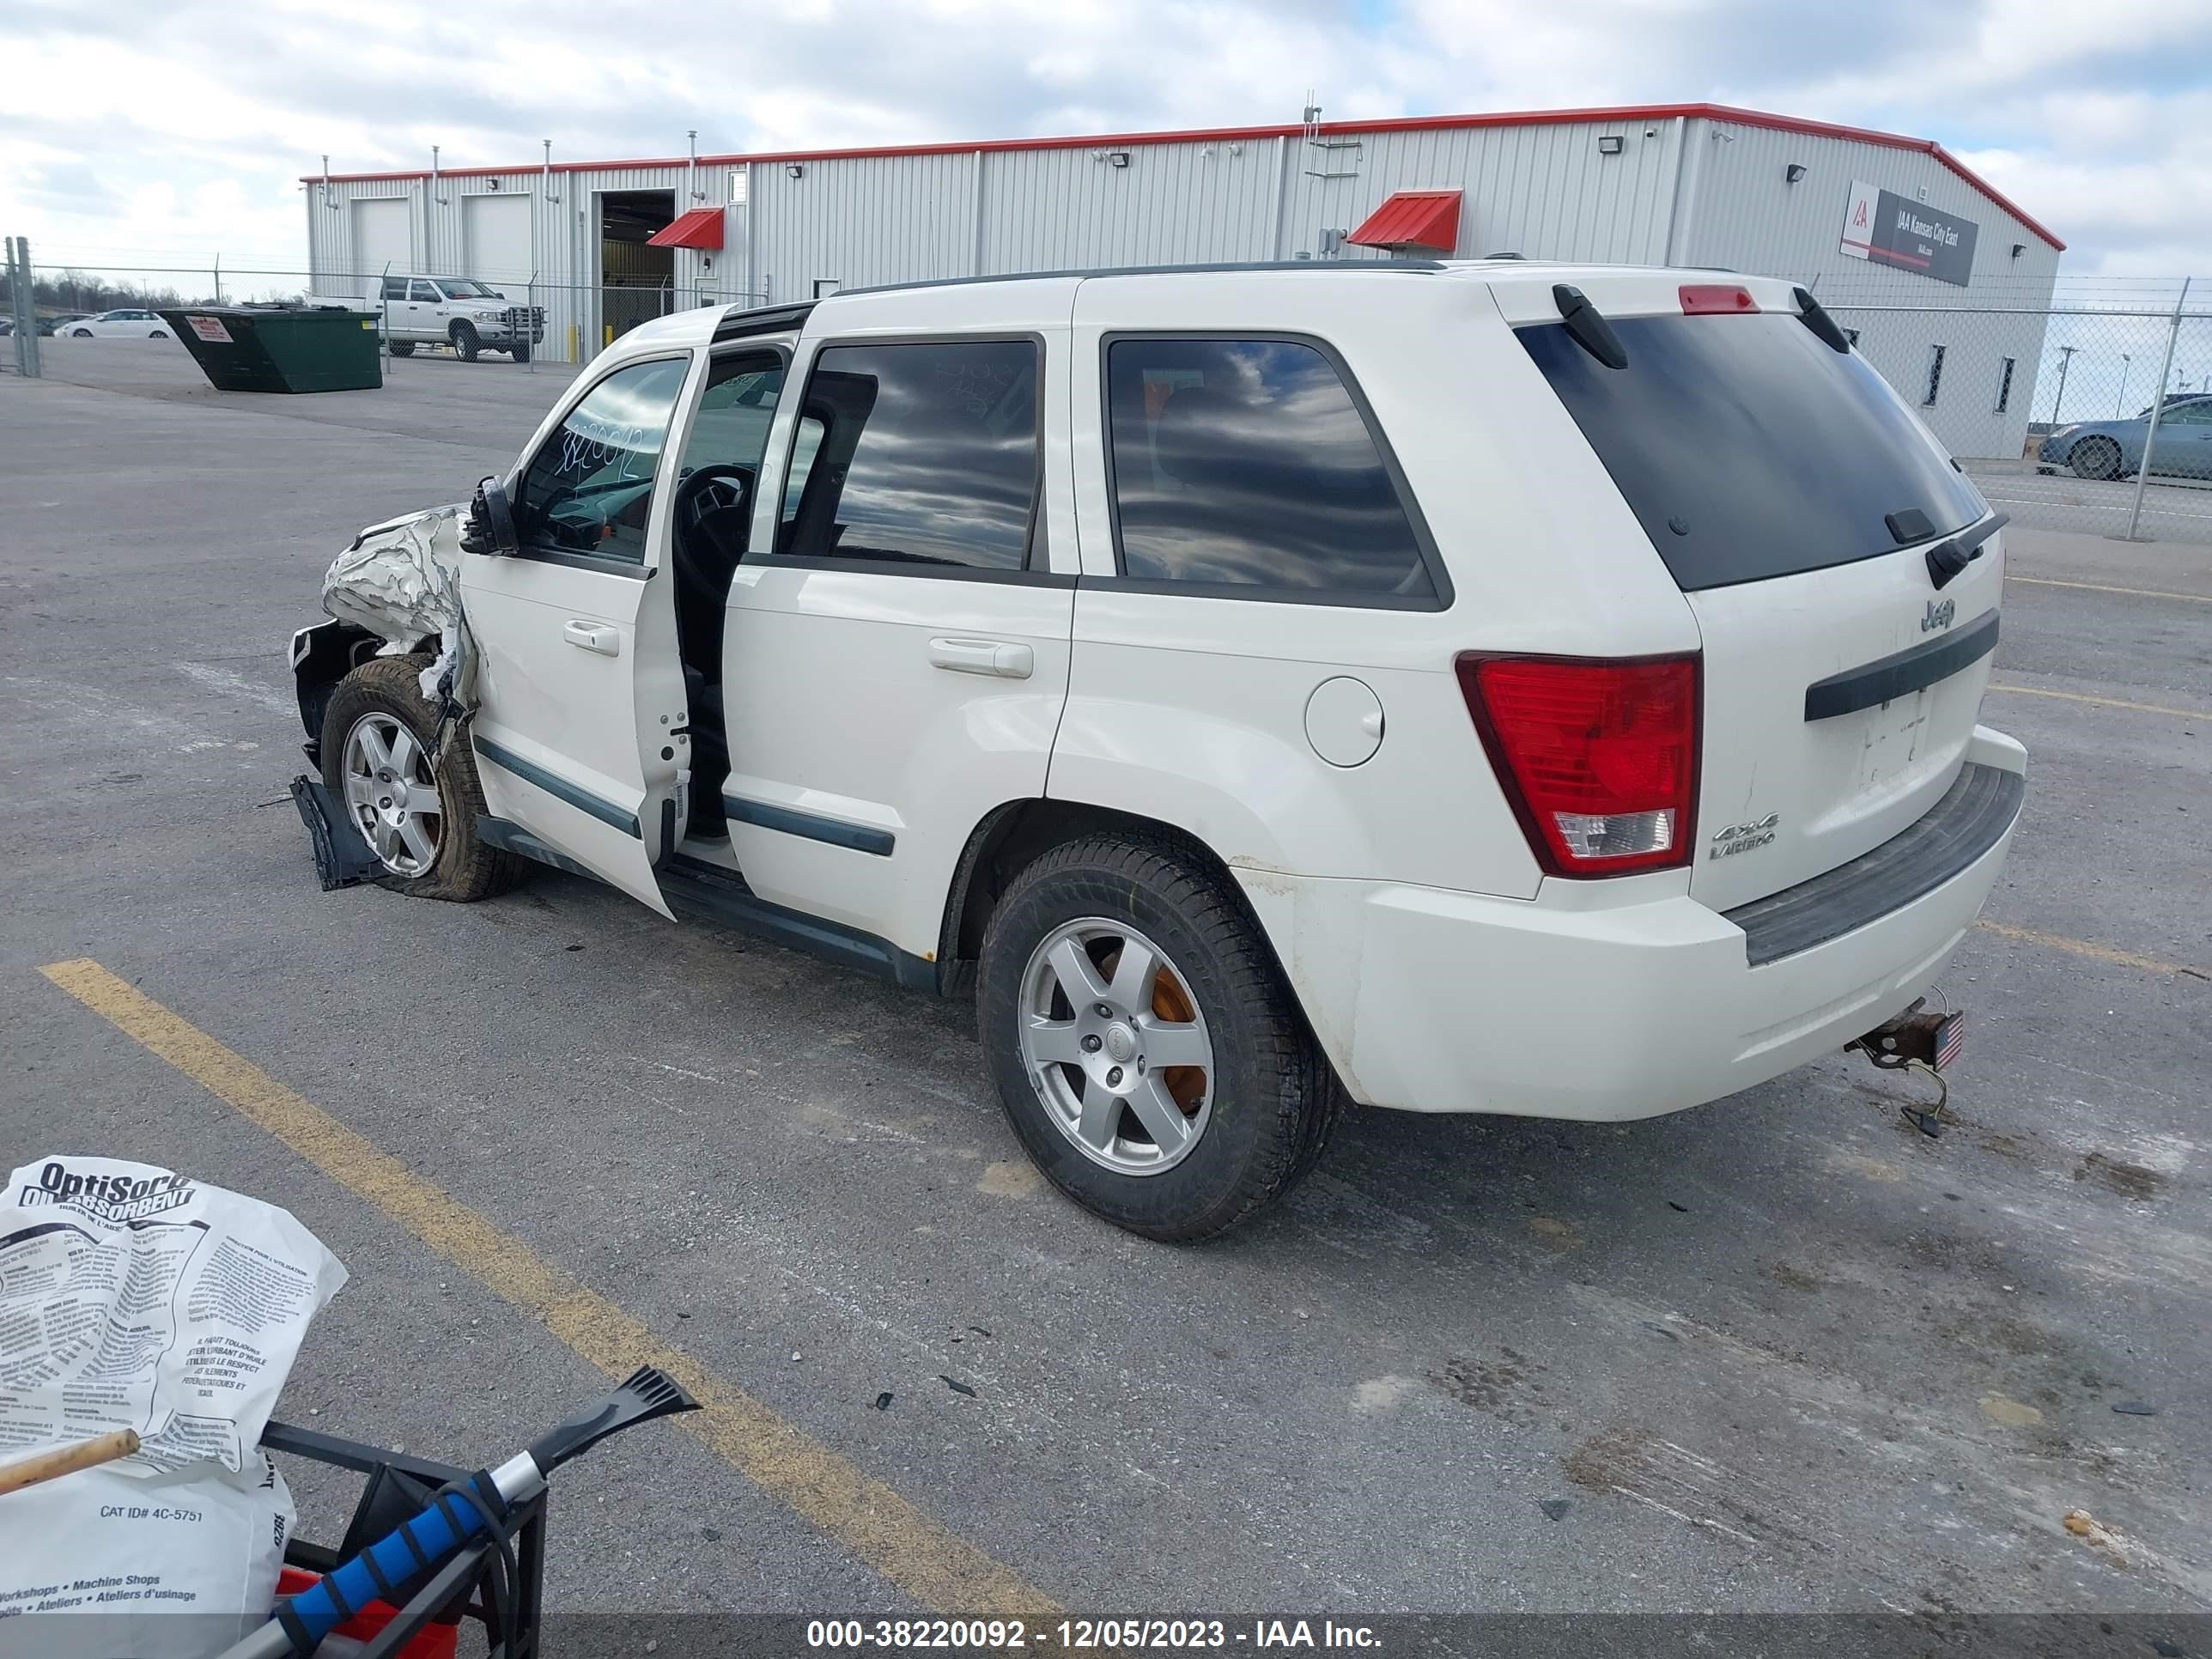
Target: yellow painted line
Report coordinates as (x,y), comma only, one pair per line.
(2101,587)
(914,1551)
(2103,703)
(2082,947)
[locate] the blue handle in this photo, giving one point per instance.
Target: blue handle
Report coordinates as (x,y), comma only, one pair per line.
(417,1545)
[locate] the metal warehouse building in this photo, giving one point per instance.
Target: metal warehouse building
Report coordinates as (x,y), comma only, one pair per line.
(1896,224)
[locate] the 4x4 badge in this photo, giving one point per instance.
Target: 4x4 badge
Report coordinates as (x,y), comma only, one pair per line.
(1742,837)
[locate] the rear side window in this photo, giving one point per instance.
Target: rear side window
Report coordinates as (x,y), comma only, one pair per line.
(1749,450)
(922,454)
(1246,463)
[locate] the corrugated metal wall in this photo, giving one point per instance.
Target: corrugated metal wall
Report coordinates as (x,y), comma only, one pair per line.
(1742,212)
(1547,192)
(1675,191)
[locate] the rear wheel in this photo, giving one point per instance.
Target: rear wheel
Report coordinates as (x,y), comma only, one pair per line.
(2095,458)
(465,341)
(1146,1046)
(418,815)
(403,348)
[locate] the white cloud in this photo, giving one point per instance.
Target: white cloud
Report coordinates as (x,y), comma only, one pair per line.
(177,131)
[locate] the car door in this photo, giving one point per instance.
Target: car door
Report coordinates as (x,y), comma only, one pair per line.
(580,733)
(2184,441)
(895,657)
(425,305)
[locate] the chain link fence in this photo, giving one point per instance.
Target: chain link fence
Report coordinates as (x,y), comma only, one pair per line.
(2087,408)
(552,323)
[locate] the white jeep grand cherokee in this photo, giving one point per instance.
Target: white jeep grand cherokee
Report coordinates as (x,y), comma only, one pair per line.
(1472,687)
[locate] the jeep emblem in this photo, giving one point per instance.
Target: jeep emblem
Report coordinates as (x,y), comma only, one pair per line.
(1938,614)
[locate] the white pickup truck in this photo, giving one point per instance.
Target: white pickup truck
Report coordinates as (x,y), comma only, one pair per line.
(1456,687)
(459,312)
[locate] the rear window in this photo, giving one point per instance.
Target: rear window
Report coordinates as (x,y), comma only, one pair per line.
(1749,449)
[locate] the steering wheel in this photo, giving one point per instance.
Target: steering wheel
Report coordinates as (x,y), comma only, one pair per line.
(710,505)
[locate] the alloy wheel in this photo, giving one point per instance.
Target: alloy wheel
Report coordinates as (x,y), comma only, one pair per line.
(393,794)
(1116,1046)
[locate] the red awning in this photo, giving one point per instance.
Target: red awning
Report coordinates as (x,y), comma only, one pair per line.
(1413,218)
(701,227)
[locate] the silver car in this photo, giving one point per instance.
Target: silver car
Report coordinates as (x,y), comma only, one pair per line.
(2114,449)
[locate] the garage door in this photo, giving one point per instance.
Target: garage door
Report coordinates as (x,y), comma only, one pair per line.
(383,240)
(495,238)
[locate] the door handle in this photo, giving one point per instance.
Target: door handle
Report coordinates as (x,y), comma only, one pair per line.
(1001,658)
(594,636)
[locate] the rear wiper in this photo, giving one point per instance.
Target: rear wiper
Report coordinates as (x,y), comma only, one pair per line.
(1587,326)
(1948,558)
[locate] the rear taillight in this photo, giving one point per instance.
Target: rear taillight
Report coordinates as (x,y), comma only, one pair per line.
(1599,758)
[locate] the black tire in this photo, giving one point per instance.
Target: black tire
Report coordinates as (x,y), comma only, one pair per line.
(81,334)
(158,334)
(466,869)
(520,352)
(2095,458)
(466,342)
(403,348)
(1275,1100)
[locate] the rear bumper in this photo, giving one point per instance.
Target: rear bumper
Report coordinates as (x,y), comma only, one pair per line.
(1625,1007)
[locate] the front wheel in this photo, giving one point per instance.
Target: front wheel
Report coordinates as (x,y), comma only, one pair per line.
(418,815)
(2097,459)
(1146,1049)
(80,334)
(466,340)
(520,352)
(157,335)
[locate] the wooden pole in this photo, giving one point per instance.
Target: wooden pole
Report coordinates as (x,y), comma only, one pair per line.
(68,1460)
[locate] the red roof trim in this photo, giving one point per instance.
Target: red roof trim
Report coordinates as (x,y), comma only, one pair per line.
(701,227)
(1619,114)
(1413,218)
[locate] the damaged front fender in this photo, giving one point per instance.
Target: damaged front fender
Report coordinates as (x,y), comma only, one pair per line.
(398,587)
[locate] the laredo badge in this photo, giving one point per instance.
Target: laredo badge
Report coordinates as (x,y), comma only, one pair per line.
(1743,837)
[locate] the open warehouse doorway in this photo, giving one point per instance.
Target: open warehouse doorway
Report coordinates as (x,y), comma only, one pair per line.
(637,281)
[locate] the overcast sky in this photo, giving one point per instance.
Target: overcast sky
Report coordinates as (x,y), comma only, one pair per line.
(134,133)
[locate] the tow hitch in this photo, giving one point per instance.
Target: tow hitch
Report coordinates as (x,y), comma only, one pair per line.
(1917,1040)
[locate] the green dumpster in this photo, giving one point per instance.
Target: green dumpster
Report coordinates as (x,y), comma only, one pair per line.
(280,348)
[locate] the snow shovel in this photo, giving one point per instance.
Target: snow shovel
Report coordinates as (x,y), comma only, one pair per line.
(454,1515)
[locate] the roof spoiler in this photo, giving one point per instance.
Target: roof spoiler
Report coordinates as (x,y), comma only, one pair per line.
(1814,317)
(1587,324)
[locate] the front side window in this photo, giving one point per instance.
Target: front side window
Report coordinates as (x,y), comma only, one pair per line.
(423,292)
(925,453)
(1247,463)
(589,488)
(462,287)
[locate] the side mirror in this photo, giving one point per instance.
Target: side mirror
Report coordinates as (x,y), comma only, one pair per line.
(491,528)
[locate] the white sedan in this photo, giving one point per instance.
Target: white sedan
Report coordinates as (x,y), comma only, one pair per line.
(117,325)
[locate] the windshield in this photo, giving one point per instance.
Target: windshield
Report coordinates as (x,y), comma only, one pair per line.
(1748,448)
(460,287)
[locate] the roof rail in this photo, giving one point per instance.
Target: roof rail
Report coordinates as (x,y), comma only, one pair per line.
(1157,271)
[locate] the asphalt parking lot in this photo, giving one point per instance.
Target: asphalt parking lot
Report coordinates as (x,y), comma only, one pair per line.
(1780,1353)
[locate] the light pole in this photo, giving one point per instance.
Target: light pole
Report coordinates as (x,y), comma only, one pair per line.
(2065,363)
(2120,403)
